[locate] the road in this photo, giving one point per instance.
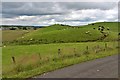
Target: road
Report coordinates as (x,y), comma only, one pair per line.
(100,68)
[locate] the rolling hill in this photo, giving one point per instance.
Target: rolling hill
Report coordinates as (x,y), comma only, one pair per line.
(64,34)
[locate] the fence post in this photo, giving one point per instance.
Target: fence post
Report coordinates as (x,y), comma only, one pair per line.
(74,51)
(59,51)
(39,56)
(13,59)
(47,58)
(98,46)
(87,48)
(86,51)
(105,45)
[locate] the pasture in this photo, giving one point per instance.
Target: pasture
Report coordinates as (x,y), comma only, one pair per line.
(26,54)
(69,34)
(10,35)
(31,57)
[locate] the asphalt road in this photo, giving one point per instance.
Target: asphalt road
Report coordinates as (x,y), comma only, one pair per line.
(100,68)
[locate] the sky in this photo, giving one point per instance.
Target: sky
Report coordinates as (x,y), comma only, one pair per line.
(48,13)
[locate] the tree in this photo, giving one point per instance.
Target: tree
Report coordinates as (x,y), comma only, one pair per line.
(12,28)
(35,28)
(24,28)
(19,27)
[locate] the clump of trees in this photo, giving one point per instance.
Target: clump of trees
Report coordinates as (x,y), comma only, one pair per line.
(13,27)
(24,28)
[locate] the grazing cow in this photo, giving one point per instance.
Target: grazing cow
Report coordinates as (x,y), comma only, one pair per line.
(22,37)
(88,32)
(31,39)
(93,28)
(99,28)
(108,28)
(118,33)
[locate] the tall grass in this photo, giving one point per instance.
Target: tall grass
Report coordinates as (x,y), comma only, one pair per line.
(47,58)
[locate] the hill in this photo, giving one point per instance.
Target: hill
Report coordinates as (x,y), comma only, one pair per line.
(10,35)
(64,34)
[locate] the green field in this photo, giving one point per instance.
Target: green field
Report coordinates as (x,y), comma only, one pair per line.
(54,34)
(43,54)
(65,34)
(10,35)
(27,57)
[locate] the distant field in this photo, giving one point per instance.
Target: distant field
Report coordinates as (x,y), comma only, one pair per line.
(32,57)
(10,35)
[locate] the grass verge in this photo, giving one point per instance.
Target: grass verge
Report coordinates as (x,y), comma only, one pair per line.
(36,64)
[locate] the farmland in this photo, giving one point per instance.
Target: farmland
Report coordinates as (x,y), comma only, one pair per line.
(56,46)
(10,35)
(54,34)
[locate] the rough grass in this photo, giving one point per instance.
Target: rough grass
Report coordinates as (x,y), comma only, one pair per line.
(10,35)
(37,59)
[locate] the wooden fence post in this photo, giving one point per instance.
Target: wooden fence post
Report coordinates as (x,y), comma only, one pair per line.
(59,52)
(86,51)
(87,48)
(74,51)
(39,56)
(105,45)
(13,59)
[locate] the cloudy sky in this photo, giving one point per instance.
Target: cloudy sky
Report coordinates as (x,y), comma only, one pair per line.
(47,13)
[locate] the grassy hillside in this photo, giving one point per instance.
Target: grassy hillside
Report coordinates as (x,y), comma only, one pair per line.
(112,25)
(10,35)
(66,34)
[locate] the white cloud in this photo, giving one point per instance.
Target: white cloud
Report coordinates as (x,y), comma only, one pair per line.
(69,16)
(24,17)
(60,0)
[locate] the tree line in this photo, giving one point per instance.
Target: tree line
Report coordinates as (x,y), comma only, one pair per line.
(11,27)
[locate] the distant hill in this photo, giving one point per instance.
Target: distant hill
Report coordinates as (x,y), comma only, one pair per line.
(66,34)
